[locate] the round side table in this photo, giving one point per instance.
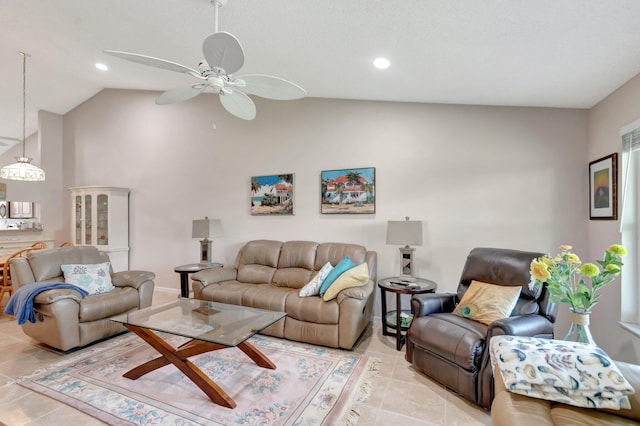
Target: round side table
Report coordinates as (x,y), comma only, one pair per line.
(393,319)
(185,270)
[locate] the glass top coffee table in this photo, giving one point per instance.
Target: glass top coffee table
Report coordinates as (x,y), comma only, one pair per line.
(210,326)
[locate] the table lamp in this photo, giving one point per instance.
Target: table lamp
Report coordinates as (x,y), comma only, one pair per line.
(407,232)
(206,228)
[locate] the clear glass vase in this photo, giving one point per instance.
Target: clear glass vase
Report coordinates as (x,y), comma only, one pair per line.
(579,329)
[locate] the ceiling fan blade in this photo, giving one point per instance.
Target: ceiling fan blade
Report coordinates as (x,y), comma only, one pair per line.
(223,50)
(155,62)
(270,87)
(238,104)
(180,94)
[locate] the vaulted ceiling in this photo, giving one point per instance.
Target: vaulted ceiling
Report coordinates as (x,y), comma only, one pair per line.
(549,53)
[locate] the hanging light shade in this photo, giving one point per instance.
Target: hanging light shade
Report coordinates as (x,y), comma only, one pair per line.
(23,169)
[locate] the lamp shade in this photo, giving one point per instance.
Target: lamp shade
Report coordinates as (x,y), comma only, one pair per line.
(404,232)
(207,228)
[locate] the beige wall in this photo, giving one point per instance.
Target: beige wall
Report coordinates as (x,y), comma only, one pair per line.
(605,120)
(477,176)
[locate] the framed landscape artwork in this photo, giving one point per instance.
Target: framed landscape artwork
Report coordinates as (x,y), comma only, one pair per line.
(603,188)
(272,195)
(348,191)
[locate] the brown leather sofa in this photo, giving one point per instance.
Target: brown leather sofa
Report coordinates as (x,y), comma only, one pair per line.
(64,319)
(453,350)
(268,275)
(511,409)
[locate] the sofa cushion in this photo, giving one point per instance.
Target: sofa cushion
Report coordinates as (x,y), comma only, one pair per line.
(557,370)
(354,277)
(342,266)
(45,264)
(312,309)
(100,306)
(94,278)
(335,252)
(312,288)
(487,303)
(257,261)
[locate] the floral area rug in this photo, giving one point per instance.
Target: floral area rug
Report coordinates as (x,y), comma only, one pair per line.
(311,385)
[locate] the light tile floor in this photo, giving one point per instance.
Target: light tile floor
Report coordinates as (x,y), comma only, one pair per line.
(400,394)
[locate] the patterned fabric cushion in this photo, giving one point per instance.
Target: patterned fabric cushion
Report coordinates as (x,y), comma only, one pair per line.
(561,371)
(94,279)
(486,303)
(312,288)
(354,277)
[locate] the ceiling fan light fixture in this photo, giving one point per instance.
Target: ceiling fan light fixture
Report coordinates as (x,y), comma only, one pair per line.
(23,169)
(101,66)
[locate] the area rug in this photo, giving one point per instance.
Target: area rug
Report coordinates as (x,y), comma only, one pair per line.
(311,385)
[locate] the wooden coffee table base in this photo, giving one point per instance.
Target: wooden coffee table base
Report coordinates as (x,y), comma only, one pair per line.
(179,358)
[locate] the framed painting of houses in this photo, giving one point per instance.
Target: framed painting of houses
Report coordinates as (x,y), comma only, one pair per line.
(272,195)
(348,191)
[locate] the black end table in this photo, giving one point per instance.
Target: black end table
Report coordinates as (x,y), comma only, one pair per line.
(392,319)
(185,270)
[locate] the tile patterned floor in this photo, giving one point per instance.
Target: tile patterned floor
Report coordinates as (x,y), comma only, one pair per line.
(400,395)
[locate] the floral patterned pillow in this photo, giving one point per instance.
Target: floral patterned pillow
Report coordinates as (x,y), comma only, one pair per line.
(561,371)
(95,279)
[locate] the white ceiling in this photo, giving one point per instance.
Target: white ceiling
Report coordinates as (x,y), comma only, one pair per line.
(551,53)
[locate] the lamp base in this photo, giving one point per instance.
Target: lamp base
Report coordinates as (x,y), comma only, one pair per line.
(205,251)
(406,264)
(407,278)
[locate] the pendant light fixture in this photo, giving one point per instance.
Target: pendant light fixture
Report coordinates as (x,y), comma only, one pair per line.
(23,169)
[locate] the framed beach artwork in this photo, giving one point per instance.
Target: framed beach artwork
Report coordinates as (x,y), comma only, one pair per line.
(348,191)
(272,195)
(603,188)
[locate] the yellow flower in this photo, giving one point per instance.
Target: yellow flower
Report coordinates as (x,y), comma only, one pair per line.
(539,271)
(565,247)
(617,249)
(572,258)
(589,270)
(613,268)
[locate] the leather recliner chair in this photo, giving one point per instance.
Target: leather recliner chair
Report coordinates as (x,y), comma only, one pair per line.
(65,320)
(454,351)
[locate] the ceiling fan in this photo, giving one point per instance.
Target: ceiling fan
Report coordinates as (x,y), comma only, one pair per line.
(223,56)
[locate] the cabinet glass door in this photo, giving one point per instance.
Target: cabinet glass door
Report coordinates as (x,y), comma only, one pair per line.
(78,220)
(87,219)
(102,219)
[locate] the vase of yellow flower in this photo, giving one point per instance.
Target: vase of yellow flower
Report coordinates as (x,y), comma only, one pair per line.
(571,281)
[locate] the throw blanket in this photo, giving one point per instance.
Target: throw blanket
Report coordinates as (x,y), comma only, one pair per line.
(557,370)
(21,303)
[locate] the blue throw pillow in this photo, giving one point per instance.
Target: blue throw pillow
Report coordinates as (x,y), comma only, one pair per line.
(342,266)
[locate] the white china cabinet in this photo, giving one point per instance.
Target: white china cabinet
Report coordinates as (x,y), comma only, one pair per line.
(100,218)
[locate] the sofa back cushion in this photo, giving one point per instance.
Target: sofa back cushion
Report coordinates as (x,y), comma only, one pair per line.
(45,264)
(257,261)
(295,266)
(335,252)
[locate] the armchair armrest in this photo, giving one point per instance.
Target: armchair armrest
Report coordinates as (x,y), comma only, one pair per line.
(51,296)
(131,278)
(532,325)
(215,275)
(361,292)
(432,303)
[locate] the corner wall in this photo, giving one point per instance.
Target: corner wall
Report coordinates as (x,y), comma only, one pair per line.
(605,120)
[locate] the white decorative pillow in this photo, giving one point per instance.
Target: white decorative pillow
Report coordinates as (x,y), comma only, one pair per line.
(95,279)
(312,288)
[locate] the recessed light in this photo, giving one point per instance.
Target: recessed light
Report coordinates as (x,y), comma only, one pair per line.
(381,63)
(102,67)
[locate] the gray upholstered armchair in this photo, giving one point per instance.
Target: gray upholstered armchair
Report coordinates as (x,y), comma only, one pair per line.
(453,350)
(64,319)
